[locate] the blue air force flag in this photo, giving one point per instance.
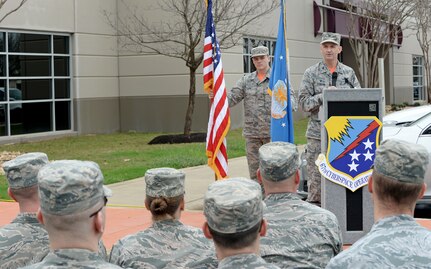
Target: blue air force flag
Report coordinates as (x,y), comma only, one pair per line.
(279,87)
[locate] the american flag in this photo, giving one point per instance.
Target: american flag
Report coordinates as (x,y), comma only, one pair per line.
(219,118)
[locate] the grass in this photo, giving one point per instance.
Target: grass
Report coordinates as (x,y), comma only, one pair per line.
(124,156)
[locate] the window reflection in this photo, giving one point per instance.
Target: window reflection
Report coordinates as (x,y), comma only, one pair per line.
(37,74)
(29,43)
(61,44)
(62,115)
(31,118)
(33,89)
(29,66)
(62,88)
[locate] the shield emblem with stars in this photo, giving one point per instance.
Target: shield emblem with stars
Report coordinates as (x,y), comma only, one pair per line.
(352,142)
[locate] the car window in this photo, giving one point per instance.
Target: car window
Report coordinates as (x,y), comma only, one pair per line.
(427,131)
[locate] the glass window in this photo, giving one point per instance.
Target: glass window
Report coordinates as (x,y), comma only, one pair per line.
(29,43)
(3,119)
(250,43)
(62,115)
(2,42)
(29,66)
(31,89)
(2,90)
(62,88)
(37,75)
(61,66)
(27,118)
(2,65)
(418,78)
(61,44)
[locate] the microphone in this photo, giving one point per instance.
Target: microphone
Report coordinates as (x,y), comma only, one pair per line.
(334,79)
(348,82)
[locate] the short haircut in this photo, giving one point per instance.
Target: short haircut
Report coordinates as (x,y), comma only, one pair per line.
(162,206)
(28,193)
(71,222)
(393,191)
(236,240)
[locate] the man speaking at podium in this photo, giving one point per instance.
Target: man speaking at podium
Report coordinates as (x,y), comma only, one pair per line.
(328,73)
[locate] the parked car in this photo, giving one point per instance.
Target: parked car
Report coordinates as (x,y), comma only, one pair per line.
(413,125)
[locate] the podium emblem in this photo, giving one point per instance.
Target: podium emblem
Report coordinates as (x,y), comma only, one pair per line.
(352,142)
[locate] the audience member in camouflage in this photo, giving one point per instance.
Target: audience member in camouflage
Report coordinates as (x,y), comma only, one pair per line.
(253,89)
(317,78)
(396,240)
(234,221)
(24,241)
(300,235)
(72,203)
(156,246)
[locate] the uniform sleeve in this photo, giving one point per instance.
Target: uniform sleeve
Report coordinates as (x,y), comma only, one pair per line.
(293,99)
(355,81)
(237,93)
(308,101)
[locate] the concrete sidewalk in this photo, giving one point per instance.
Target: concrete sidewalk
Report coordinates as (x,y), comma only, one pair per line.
(131,193)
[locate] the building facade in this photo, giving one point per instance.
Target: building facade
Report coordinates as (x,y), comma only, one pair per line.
(64,70)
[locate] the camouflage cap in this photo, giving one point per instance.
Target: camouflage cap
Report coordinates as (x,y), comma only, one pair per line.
(164,182)
(233,205)
(21,172)
(278,160)
(331,38)
(401,161)
(259,51)
(70,186)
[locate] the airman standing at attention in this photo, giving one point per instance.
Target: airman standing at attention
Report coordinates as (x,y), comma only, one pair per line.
(234,221)
(24,241)
(396,240)
(300,234)
(157,246)
(72,208)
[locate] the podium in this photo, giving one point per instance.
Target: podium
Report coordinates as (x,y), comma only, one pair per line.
(349,199)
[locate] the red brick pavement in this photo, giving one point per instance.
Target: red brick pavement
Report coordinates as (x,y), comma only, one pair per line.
(119,221)
(123,221)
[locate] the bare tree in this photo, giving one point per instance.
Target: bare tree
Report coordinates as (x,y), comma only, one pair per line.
(180,35)
(422,22)
(373,26)
(3,2)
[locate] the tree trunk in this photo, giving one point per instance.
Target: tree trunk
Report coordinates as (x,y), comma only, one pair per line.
(191,105)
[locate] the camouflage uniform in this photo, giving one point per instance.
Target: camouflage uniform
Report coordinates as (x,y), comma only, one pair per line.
(300,235)
(248,261)
(156,246)
(67,188)
(257,111)
(72,258)
(24,241)
(395,240)
(315,79)
(232,206)
(194,258)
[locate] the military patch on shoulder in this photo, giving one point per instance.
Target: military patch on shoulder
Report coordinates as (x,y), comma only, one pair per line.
(352,142)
